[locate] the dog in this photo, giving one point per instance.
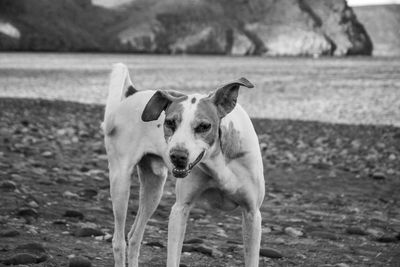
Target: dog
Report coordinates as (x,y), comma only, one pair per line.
(207,142)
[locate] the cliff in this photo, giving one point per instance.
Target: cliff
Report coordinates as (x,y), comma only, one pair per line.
(239,27)
(383,25)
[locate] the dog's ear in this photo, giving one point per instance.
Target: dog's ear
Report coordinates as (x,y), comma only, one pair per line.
(159,102)
(226,96)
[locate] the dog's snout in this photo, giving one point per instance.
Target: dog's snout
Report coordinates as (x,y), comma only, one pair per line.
(179,157)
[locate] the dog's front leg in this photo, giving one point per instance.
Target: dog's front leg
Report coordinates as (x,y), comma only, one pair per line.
(187,192)
(251,236)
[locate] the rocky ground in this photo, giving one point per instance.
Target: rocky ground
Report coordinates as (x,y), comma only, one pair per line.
(332,195)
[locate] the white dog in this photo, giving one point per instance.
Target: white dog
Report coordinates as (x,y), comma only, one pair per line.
(207,140)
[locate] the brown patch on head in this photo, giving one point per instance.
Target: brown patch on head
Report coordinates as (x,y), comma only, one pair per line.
(207,112)
(193,100)
(231,144)
(173,118)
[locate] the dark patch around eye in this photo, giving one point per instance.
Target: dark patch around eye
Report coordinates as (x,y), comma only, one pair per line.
(193,100)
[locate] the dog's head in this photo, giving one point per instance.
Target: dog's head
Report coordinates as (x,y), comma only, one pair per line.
(191,125)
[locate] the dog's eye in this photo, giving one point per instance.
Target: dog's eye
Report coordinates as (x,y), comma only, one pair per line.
(203,127)
(170,124)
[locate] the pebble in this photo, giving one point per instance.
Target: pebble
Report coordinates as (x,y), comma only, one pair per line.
(155,244)
(24,258)
(32,247)
(47,154)
(9,233)
(378,176)
(293,232)
(74,214)
(79,262)
(27,212)
(33,204)
(206,250)
(83,232)
(8,186)
(342,265)
(354,230)
(87,193)
(388,239)
(324,235)
(69,194)
(270,253)
(193,241)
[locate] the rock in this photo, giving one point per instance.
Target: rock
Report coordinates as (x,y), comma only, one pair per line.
(87,193)
(70,195)
(27,212)
(194,241)
(84,232)
(9,233)
(388,239)
(378,176)
(270,253)
(32,247)
(324,235)
(293,232)
(33,204)
(24,258)
(354,230)
(8,186)
(342,265)
(155,244)
(47,154)
(204,249)
(79,262)
(74,214)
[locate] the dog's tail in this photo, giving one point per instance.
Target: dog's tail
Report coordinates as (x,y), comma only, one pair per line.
(120,87)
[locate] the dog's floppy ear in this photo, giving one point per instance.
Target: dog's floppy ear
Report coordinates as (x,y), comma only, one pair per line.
(225,97)
(159,102)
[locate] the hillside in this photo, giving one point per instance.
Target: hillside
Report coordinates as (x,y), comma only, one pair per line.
(383,26)
(62,25)
(239,27)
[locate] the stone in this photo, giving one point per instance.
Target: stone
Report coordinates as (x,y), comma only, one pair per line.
(32,247)
(74,214)
(79,262)
(84,232)
(324,235)
(387,239)
(155,244)
(8,186)
(24,258)
(9,233)
(355,230)
(378,176)
(293,232)
(87,193)
(270,253)
(27,212)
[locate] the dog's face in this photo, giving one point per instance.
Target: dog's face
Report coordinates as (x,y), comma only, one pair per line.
(191,125)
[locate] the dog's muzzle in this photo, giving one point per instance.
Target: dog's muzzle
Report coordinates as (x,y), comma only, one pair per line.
(182,173)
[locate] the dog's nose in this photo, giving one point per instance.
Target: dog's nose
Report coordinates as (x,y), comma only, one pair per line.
(179,158)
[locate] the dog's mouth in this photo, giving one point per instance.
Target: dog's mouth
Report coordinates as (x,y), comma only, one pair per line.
(182,173)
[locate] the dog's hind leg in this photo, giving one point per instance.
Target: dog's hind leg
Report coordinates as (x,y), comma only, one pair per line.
(120,181)
(152,176)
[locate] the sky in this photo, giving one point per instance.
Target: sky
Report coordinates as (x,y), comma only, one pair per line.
(350,2)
